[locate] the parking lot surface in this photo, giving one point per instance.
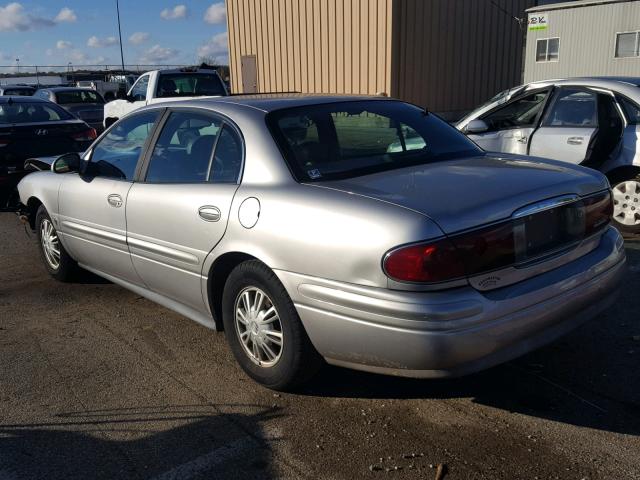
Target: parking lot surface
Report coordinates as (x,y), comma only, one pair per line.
(97,382)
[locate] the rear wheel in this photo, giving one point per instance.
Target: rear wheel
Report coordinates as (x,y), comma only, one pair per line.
(263,329)
(626,204)
(57,261)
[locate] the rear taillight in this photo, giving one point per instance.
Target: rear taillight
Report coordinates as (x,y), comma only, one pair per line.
(598,211)
(514,241)
(85,136)
(4,142)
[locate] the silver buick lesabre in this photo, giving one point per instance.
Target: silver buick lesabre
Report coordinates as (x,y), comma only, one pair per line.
(359,230)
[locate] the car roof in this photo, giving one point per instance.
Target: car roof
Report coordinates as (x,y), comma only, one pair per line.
(5,87)
(20,99)
(68,89)
(268,102)
(599,81)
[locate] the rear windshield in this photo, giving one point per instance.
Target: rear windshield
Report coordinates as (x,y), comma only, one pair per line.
(78,96)
(31,113)
(189,85)
(348,139)
(23,92)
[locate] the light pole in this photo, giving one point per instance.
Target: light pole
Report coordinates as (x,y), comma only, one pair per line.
(120,35)
(17,65)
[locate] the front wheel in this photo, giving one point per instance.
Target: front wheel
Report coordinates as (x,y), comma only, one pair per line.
(57,261)
(626,204)
(264,330)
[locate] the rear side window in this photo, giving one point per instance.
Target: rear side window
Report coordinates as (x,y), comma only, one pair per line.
(116,155)
(78,96)
(195,148)
(573,108)
(630,109)
(347,139)
(18,112)
(189,85)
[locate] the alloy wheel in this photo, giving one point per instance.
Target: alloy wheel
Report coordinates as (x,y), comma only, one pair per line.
(50,243)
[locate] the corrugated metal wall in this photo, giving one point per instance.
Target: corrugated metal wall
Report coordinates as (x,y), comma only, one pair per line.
(451,55)
(315,46)
(587,42)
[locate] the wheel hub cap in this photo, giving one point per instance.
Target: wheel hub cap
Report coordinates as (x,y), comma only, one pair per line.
(258,327)
(626,203)
(50,244)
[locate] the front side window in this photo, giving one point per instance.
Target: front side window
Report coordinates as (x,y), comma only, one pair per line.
(548,50)
(195,148)
(627,44)
(117,154)
(139,90)
(520,113)
(189,84)
(573,108)
(348,139)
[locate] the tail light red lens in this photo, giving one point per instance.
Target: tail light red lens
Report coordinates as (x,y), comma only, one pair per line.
(508,243)
(85,136)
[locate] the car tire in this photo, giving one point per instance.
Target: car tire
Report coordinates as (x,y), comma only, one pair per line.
(626,203)
(257,312)
(56,260)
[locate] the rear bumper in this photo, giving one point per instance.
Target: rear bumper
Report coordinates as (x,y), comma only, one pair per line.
(459,331)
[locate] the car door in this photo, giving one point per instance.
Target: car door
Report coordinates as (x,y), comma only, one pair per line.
(92,204)
(510,126)
(179,211)
(139,91)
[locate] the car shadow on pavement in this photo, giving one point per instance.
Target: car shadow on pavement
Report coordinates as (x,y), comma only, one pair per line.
(589,378)
(170,442)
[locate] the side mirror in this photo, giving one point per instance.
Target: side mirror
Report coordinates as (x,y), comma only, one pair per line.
(476,126)
(69,162)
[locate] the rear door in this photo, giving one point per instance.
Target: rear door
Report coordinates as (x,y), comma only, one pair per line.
(179,210)
(511,125)
(568,127)
(92,205)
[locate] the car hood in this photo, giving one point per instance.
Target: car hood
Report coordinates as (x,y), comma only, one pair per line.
(465,193)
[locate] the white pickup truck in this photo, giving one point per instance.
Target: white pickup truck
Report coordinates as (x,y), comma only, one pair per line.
(166,85)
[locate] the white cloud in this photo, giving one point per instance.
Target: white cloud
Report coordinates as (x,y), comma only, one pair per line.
(66,15)
(14,18)
(63,44)
(95,42)
(179,11)
(138,37)
(158,54)
(216,13)
(217,47)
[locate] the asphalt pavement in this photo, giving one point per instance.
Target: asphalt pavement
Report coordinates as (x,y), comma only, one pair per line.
(97,382)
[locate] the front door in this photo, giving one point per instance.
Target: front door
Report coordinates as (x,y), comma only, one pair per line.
(92,206)
(511,125)
(249,74)
(179,212)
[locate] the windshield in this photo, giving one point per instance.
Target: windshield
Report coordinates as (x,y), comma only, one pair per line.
(31,113)
(348,139)
(189,84)
(78,96)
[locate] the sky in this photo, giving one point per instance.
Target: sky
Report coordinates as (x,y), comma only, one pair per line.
(56,32)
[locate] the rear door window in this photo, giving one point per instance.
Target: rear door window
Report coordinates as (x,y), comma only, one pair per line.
(573,108)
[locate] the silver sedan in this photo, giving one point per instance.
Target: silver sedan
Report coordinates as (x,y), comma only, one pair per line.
(361,231)
(593,122)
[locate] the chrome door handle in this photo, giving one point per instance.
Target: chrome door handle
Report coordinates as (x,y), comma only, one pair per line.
(209,213)
(575,140)
(115,200)
(522,139)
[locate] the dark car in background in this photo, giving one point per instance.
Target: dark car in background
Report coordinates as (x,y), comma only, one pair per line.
(30,127)
(17,90)
(84,103)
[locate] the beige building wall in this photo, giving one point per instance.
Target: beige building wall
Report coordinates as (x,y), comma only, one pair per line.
(447,55)
(314,46)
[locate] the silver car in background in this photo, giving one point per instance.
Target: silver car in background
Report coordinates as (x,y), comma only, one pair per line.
(363,231)
(593,122)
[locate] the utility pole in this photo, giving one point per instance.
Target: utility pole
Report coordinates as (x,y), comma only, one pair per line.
(120,36)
